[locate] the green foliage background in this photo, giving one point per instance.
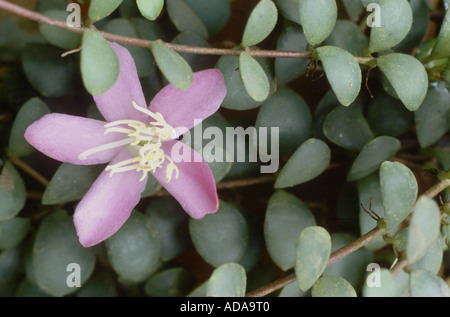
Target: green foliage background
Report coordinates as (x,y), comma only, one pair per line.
(363,118)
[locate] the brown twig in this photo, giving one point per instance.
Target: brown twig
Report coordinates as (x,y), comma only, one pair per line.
(29,170)
(38,17)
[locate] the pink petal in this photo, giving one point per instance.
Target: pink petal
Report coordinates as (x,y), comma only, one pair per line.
(201,100)
(116,103)
(108,203)
(195,187)
(64,137)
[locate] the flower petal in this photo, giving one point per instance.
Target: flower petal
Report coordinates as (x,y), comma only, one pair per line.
(64,137)
(116,103)
(181,107)
(195,187)
(108,203)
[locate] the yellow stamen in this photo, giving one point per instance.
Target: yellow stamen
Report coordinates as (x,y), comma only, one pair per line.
(146,140)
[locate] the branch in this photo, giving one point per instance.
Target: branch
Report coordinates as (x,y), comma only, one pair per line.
(38,17)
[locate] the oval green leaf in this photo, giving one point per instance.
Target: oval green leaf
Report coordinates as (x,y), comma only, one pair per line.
(372,155)
(150,9)
(261,23)
(395,22)
(424,228)
(317,19)
(214,13)
(332,286)
(13,231)
(407,76)
(286,111)
(176,70)
(287,69)
(69,183)
(343,73)
(173,282)
(442,47)
(427,284)
(171,222)
(13,194)
(99,63)
(58,256)
(99,9)
(228,280)
(347,128)
(286,217)
(57,36)
(184,18)
(134,250)
(31,111)
(253,77)
(312,251)
(308,162)
(386,286)
(48,72)
(434,112)
(220,237)
(398,192)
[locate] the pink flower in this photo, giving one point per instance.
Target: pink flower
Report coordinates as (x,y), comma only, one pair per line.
(135,140)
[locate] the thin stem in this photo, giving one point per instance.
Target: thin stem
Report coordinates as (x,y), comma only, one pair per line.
(334,257)
(38,17)
(29,170)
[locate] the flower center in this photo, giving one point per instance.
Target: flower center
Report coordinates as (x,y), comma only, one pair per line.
(146,140)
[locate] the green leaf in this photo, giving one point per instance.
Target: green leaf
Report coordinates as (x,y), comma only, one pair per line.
(353,9)
(308,162)
(287,69)
(184,18)
(70,183)
(31,111)
(101,284)
(426,284)
(240,99)
(142,56)
(10,266)
(13,194)
(442,47)
(171,222)
(197,62)
(55,248)
(13,231)
(372,155)
(48,72)
(312,251)
(369,191)
(434,112)
(432,260)
(343,73)
(286,217)
(407,76)
(395,22)
(286,111)
(289,9)
(134,250)
(386,287)
(347,36)
(388,116)
(253,77)
(99,9)
(332,286)
(220,237)
(317,18)
(261,23)
(228,280)
(173,282)
(99,63)
(213,13)
(150,9)
(176,70)
(347,128)
(398,192)
(424,228)
(57,36)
